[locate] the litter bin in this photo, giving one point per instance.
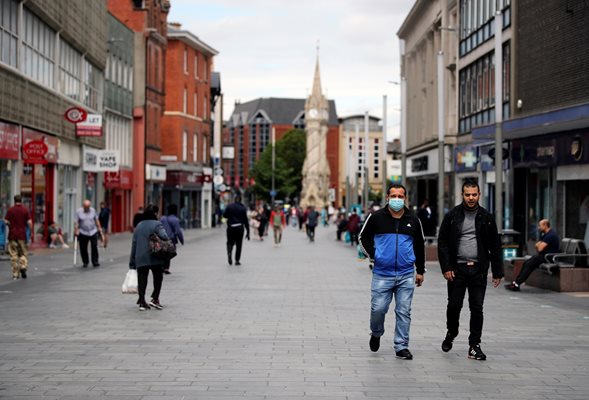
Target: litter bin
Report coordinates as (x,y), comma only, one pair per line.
(510,244)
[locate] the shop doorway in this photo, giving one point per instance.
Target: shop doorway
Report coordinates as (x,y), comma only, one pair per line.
(37,188)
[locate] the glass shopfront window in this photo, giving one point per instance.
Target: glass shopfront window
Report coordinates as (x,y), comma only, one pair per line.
(67,202)
(541,200)
(5,175)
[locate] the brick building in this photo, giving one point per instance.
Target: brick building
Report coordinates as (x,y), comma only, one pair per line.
(187,127)
(52,57)
(249,130)
(148,19)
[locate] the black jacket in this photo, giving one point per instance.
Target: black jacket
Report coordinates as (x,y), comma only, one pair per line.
(488,241)
(236,215)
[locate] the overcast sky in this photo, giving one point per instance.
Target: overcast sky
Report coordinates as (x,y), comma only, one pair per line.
(267,48)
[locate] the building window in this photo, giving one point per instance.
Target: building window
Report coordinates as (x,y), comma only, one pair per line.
(196,66)
(204,150)
(184,146)
(477,90)
(205,69)
(185,61)
(195,147)
(39,49)
(476,21)
(195,101)
(70,64)
(185,101)
(93,86)
(8,32)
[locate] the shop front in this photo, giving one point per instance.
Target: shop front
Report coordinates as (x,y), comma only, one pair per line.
(68,193)
(185,190)
(118,187)
(422,180)
(155,176)
(39,155)
(554,170)
(9,156)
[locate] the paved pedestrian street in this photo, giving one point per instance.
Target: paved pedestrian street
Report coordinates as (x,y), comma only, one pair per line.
(291,323)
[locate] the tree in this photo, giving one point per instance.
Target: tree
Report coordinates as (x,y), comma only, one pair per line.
(290,156)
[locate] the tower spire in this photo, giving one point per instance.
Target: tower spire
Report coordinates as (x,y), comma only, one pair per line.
(317,79)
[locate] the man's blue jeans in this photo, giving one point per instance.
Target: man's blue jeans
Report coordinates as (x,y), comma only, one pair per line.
(383,289)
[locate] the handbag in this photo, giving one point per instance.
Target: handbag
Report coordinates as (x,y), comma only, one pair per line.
(164,249)
(130,283)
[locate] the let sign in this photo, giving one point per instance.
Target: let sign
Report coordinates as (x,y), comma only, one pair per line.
(92,126)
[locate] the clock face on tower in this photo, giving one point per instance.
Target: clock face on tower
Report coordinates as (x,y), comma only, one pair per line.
(313,113)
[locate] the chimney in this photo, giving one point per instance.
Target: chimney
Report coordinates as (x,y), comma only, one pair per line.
(175,25)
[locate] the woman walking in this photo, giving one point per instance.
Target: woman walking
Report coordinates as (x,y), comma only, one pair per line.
(144,261)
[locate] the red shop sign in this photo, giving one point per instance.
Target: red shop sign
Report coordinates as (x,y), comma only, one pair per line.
(35,152)
(9,141)
(122,179)
(39,148)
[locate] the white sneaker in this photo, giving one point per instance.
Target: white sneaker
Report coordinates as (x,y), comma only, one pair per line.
(52,246)
(66,246)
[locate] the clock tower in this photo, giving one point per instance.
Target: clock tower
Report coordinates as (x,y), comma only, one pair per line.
(316,168)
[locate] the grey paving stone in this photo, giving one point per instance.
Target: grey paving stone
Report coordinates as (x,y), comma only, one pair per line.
(290,323)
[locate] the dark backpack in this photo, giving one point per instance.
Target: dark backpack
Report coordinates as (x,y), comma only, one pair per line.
(164,249)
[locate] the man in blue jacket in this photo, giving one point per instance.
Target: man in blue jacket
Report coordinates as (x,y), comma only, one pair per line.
(392,238)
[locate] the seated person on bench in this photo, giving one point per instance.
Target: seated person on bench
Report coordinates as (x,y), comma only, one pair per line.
(548,243)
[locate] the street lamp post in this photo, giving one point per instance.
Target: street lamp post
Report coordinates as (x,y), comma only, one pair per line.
(499,120)
(441,127)
(383,146)
(273,192)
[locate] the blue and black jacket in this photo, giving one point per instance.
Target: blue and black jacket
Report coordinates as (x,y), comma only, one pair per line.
(396,246)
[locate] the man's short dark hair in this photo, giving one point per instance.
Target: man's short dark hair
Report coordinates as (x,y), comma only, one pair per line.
(18,198)
(237,199)
(397,186)
(172,209)
(470,183)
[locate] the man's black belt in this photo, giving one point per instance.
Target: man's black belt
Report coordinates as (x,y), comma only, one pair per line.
(468,264)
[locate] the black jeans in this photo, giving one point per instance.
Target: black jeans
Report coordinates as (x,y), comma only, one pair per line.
(475,281)
(83,239)
(142,276)
(311,232)
(529,266)
(235,238)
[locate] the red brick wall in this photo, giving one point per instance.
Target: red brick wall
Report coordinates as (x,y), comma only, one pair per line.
(177,80)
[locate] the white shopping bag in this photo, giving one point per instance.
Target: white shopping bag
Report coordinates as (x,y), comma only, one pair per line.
(130,283)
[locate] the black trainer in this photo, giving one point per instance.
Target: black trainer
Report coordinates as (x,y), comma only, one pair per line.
(514,287)
(475,353)
(447,343)
(374,343)
(155,304)
(237,263)
(229,260)
(23,273)
(404,354)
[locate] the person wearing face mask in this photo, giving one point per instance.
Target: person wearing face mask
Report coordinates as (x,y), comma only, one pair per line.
(392,238)
(468,242)
(548,243)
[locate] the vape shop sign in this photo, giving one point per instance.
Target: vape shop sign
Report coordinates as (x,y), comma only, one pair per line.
(101,160)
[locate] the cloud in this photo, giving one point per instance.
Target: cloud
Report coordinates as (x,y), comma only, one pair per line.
(267,48)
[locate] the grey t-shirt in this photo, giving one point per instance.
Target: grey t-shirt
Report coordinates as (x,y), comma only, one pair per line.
(467,241)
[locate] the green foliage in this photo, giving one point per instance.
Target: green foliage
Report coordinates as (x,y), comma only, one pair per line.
(290,156)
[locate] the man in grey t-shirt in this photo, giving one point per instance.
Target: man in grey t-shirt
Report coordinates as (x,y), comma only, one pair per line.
(468,243)
(86,228)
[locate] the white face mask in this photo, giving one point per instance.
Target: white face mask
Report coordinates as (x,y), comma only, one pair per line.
(396,204)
